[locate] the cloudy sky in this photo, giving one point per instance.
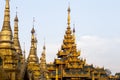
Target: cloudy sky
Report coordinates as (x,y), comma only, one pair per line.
(97,24)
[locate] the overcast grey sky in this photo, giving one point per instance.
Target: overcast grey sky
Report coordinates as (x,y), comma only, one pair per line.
(97,24)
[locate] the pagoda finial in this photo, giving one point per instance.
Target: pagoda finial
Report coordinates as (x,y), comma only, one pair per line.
(33,21)
(33,37)
(33,30)
(44,47)
(74,32)
(69,16)
(16,18)
(73,28)
(16,10)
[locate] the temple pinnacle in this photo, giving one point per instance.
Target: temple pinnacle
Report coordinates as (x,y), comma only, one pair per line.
(68,16)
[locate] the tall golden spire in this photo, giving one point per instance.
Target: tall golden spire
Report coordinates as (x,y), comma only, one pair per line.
(67,42)
(16,36)
(43,59)
(32,58)
(68,39)
(6,32)
(43,66)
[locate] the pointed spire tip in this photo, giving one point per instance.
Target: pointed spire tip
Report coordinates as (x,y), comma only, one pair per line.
(33,30)
(16,18)
(44,47)
(73,28)
(69,9)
